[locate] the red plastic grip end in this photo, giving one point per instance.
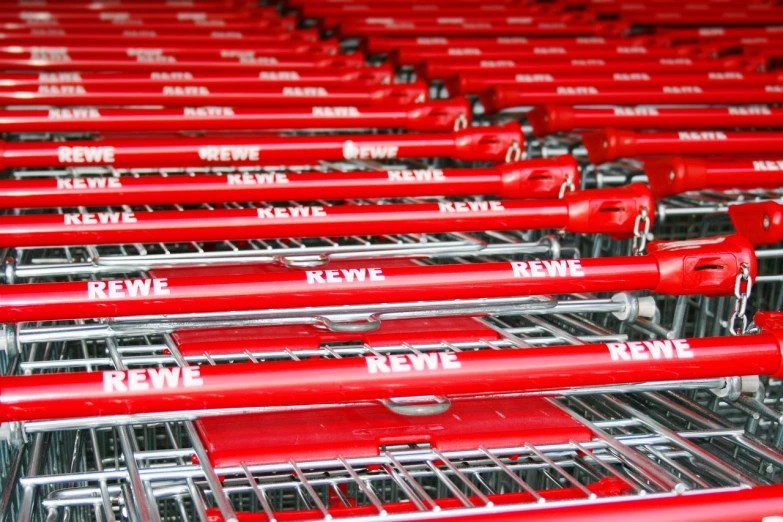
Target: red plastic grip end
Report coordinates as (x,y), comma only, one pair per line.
(409,93)
(609,144)
(538,178)
(440,115)
(503,143)
(549,119)
(760,223)
(610,211)
(707,266)
(671,176)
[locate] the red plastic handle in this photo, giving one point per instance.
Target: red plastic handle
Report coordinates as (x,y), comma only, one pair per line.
(192,27)
(555,28)
(530,179)
(610,211)
(760,223)
(432,116)
(131,38)
(328,381)
(702,266)
(384,44)
(470,84)
(550,119)
(65,6)
(237,95)
(677,175)
(207,50)
(473,144)
(382,74)
(434,70)
(544,53)
(146,64)
(504,96)
(610,144)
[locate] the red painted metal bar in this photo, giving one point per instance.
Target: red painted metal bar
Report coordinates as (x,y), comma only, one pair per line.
(550,119)
(609,211)
(504,96)
(236,95)
(434,70)
(325,77)
(475,84)
(701,266)
(432,116)
(56,36)
(610,144)
(209,50)
(163,63)
(289,383)
(383,44)
(494,143)
(760,223)
(192,27)
(545,53)
(677,175)
(529,179)
(484,29)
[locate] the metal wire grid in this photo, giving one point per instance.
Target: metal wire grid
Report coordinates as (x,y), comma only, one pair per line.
(653,441)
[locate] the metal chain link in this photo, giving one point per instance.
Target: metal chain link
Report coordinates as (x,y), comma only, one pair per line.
(741,303)
(641,229)
(567,186)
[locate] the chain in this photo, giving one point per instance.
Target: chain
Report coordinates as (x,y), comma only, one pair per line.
(514,153)
(567,186)
(741,303)
(461,122)
(641,229)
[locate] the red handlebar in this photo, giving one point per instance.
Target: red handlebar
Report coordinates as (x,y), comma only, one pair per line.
(760,223)
(504,96)
(236,95)
(677,175)
(498,143)
(703,266)
(325,381)
(432,116)
(610,144)
(536,179)
(550,119)
(609,211)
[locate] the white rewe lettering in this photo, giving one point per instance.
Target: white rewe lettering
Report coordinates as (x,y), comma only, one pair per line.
(347,275)
(549,50)
(464,51)
(187,90)
(128,287)
(752,110)
(75,113)
(497,63)
(278,75)
(768,166)
(59,77)
(351,151)
(631,77)
(152,378)
(577,90)
(424,175)
(248,178)
(632,50)
(88,183)
(534,78)
(305,91)
(61,89)
(339,112)
(701,136)
(209,112)
(166,76)
(99,218)
(725,75)
(290,212)
(227,153)
(635,111)
(554,268)
(646,350)
(472,206)
(422,362)
(682,89)
(80,154)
